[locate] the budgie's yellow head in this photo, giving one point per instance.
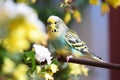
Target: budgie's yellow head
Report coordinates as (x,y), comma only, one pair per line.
(55,26)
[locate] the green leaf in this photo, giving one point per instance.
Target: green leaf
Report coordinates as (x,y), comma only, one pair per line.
(55,61)
(31,55)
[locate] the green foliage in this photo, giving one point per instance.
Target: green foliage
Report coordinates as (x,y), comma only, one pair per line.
(63,73)
(45,8)
(56,62)
(29,58)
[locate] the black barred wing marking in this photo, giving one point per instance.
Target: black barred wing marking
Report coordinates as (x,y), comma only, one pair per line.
(74,41)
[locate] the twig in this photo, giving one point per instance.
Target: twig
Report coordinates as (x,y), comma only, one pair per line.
(91,63)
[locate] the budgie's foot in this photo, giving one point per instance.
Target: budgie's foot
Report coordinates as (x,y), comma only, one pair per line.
(69,57)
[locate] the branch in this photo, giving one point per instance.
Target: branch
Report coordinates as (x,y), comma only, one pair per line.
(91,63)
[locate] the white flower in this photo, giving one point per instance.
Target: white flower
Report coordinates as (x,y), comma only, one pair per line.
(42,53)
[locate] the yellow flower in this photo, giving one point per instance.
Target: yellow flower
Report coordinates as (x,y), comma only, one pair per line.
(94,2)
(33,1)
(20,72)
(48,77)
(84,70)
(20,28)
(77,15)
(23,1)
(0,41)
(67,17)
(66,3)
(49,71)
(76,69)
(35,35)
(21,34)
(114,3)
(8,65)
(38,69)
(54,68)
(14,44)
(104,8)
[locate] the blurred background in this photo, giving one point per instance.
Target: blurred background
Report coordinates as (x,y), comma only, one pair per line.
(100,32)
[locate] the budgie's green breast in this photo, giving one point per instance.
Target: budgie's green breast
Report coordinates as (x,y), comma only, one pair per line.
(61,46)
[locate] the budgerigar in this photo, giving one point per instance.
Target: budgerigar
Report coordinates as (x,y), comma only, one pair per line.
(65,41)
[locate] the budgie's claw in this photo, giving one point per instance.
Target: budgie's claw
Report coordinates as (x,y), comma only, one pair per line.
(68,57)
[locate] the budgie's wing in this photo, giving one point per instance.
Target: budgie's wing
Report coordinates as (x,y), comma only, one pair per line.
(72,38)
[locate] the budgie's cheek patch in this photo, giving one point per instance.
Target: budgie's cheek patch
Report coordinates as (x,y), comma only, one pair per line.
(49,28)
(55,22)
(55,30)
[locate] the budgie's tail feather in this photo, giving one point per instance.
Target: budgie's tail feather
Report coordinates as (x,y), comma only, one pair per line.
(95,58)
(98,59)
